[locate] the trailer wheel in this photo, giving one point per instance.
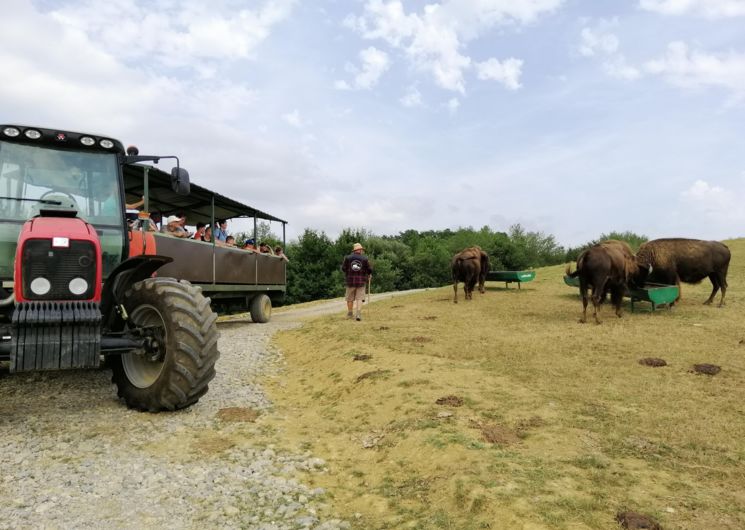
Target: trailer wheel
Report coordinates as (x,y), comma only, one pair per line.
(174,373)
(261,309)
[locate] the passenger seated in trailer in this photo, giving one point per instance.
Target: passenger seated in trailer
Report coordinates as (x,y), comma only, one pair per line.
(280,253)
(207,237)
(265,249)
(221,232)
(174,227)
(199,234)
(230,241)
(250,245)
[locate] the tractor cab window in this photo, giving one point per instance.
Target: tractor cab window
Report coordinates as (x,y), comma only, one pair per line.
(33,178)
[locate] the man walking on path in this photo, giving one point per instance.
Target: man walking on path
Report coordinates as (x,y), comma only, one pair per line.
(357,270)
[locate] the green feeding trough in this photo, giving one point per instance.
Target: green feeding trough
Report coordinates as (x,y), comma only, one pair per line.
(510,276)
(655,293)
(571,282)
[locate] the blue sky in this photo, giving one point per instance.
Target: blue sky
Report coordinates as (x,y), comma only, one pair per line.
(570,117)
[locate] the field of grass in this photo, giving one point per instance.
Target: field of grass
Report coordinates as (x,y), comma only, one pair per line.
(545,422)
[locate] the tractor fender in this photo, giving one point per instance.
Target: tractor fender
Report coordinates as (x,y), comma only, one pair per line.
(127,273)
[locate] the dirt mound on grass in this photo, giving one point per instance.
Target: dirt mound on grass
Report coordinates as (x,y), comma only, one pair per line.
(637,521)
(450,401)
(708,369)
(653,361)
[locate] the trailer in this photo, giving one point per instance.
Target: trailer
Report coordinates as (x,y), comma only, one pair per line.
(233,278)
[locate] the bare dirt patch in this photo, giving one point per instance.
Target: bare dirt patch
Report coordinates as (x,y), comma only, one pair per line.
(212,443)
(708,369)
(237,414)
(523,426)
(450,401)
(375,374)
(637,521)
(494,433)
(652,361)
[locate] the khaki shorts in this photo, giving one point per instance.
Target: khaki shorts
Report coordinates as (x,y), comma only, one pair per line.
(355,293)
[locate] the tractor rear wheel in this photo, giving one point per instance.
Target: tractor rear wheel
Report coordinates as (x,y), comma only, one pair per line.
(174,371)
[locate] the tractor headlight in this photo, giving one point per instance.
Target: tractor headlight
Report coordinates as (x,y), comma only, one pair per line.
(32,134)
(106,144)
(77,286)
(40,286)
(87,141)
(11,131)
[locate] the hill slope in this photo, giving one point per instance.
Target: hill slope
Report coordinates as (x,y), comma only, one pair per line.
(545,423)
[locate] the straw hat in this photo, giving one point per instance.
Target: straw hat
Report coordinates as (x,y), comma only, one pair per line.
(357,246)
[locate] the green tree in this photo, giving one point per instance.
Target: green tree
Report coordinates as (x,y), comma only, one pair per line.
(310,271)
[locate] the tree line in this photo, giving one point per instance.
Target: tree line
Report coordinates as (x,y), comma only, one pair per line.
(414,259)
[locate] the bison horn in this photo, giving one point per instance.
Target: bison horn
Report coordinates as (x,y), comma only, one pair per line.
(650,269)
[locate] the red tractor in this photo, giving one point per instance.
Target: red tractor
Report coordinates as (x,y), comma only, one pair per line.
(73,294)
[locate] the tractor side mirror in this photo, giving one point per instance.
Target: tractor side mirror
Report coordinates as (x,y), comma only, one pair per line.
(180,181)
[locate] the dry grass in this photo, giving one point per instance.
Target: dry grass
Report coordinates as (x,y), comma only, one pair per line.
(586,430)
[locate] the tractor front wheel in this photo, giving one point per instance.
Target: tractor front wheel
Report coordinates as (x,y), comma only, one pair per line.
(173,371)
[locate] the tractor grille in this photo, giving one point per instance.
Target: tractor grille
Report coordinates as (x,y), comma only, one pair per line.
(59,266)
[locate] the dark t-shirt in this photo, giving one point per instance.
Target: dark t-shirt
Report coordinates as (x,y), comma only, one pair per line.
(356,269)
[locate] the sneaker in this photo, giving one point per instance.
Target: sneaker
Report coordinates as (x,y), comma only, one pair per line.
(358,317)
(349,314)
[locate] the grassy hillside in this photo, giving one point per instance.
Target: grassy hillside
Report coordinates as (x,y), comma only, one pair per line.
(547,423)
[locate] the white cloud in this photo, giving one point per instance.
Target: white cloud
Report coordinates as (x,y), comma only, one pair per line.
(293,118)
(618,67)
(412,98)
(606,46)
(374,64)
(596,42)
(182,34)
(506,72)
(707,8)
(453,105)
(687,68)
(713,202)
(434,39)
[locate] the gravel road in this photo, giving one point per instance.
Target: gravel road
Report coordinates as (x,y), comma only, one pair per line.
(73,456)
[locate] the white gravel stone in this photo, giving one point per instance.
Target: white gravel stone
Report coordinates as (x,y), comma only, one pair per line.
(76,457)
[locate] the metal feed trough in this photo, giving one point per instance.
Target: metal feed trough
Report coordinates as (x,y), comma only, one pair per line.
(656,293)
(510,276)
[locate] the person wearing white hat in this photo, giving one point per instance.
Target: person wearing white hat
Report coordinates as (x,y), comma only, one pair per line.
(174,228)
(356,268)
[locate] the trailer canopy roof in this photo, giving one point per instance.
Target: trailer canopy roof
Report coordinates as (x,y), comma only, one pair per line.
(197,205)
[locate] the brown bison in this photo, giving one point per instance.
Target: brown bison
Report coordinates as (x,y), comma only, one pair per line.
(687,260)
(606,267)
(469,266)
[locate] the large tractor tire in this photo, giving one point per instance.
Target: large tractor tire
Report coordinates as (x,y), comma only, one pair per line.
(176,375)
(261,309)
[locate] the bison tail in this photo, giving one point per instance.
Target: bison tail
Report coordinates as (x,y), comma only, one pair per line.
(569,272)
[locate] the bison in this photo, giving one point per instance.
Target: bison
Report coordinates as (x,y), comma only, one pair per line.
(606,267)
(678,260)
(469,266)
